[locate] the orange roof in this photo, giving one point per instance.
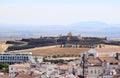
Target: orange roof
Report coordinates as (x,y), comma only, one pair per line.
(108,50)
(21,64)
(108,59)
(4,76)
(26,75)
(64,66)
(94,61)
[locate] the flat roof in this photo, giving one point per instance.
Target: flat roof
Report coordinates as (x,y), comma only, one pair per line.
(15,53)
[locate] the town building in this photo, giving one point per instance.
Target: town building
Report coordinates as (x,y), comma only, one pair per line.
(104,52)
(15,57)
(38,59)
(95,71)
(101,62)
(18,67)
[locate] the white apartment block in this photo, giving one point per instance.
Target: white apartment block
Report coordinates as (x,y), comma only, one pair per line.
(15,57)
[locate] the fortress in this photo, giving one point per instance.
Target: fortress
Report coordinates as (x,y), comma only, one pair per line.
(65,41)
(79,42)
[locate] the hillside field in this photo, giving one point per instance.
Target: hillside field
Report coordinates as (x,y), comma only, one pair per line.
(53,50)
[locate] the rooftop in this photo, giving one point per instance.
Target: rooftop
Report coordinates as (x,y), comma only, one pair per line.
(108,50)
(21,64)
(17,52)
(109,59)
(94,61)
(2,75)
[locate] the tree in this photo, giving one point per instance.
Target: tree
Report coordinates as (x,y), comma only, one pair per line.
(4,67)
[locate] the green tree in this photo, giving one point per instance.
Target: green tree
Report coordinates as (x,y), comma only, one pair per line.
(4,67)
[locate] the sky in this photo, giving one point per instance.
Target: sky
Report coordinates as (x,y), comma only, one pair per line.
(59,12)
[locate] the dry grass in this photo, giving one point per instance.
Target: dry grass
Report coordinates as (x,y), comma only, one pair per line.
(45,51)
(3,47)
(53,50)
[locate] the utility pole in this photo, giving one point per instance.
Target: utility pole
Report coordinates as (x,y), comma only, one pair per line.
(83,59)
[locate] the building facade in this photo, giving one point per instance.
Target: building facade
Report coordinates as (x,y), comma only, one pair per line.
(95,71)
(15,57)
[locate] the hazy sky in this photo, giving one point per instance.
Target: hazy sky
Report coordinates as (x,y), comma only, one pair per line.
(59,12)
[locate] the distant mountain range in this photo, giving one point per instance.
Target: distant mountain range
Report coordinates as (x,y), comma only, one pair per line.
(83,28)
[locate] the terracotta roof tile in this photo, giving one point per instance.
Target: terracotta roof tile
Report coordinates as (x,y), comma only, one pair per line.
(94,61)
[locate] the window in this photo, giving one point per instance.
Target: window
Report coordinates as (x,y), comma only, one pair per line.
(95,71)
(91,71)
(98,71)
(116,63)
(11,68)
(111,63)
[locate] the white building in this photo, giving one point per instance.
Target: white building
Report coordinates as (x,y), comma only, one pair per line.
(104,52)
(38,59)
(18,67)
(106,55)
(110,62)
(118,56)
(97,60)
(15,57)
(95,71)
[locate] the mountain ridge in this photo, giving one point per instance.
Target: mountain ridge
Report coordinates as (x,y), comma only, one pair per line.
(84,28)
